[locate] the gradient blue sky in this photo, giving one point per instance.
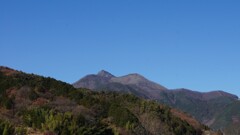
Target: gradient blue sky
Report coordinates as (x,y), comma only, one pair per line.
(189,43)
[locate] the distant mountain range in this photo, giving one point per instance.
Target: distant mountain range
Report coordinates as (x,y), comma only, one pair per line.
(217,109)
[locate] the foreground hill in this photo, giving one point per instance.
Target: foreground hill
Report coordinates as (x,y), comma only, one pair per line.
(32,104)
(217,109)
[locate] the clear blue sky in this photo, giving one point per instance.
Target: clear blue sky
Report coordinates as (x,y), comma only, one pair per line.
(189,43)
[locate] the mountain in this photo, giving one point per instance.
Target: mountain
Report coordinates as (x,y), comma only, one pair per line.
(217,109)
(205,107)
(132,83)
(33,104)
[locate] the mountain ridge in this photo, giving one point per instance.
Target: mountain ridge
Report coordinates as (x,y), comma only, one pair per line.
(104,77)
(207,95)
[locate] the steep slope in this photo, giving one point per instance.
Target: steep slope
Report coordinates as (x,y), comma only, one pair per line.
(32,104)
(206,107)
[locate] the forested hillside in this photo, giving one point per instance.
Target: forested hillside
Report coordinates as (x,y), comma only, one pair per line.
(32,104)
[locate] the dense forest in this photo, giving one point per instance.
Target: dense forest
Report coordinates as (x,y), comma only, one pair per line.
(31,104)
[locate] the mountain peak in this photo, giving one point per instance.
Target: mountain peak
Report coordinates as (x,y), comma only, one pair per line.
(104,73)
(138,81)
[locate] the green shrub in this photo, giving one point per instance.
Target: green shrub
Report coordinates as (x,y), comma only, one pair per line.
(121,116)
(6,128)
